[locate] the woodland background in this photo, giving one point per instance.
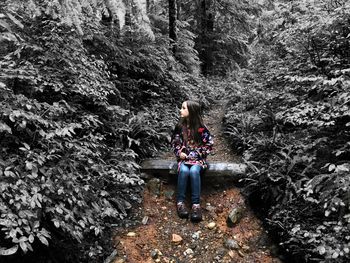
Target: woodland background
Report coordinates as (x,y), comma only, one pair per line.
(89,88)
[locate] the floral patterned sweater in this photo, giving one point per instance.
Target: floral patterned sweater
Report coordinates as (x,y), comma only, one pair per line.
(196,152)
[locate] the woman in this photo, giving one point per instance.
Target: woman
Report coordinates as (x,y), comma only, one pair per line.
(191,142)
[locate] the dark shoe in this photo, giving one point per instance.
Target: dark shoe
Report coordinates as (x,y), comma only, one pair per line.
(182,210)
(196,213)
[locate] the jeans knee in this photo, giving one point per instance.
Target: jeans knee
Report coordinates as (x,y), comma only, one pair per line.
(195,170)
(184,170)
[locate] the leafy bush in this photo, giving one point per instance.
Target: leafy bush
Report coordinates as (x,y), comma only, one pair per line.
(292,125)
(74,123)
(299,161)
(59,154)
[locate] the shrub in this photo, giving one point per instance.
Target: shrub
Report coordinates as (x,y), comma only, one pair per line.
(295,136)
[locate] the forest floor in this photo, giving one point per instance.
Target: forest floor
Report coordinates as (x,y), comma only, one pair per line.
(161,236)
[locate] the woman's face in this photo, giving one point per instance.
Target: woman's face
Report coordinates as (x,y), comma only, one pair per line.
(184,110)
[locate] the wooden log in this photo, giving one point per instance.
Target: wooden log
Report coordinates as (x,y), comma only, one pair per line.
(166,167)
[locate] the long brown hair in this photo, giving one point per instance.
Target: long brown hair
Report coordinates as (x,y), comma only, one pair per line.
(194,120)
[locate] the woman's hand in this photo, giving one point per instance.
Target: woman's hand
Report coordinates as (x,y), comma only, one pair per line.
(183,156)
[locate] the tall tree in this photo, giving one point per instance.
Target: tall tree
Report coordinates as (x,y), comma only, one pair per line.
(172,24)
(205,38)
(222,29)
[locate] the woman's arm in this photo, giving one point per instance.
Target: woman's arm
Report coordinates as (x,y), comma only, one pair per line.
(207,142)
(177,142)
(176,145)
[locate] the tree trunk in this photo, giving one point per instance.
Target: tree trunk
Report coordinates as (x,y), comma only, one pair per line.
(205,41)
(203,16)
(178,9)
(150,6)
(127,27)
(128,13)
(172,24)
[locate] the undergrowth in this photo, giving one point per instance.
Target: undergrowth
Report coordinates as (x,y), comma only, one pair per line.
(289,116)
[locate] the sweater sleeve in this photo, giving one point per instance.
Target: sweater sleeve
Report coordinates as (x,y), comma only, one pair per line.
(177,142)
(207,142)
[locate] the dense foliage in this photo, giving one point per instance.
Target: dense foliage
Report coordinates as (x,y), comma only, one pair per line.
(80,105)
(88,88)
(212,35)
(291,120)
(223,29)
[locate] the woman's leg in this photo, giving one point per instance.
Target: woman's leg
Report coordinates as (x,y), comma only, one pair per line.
(195,177)
(182,179)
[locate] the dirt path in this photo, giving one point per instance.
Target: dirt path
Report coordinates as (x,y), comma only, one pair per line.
(212,240)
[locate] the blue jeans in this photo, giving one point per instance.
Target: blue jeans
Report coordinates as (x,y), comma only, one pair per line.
(194,173)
